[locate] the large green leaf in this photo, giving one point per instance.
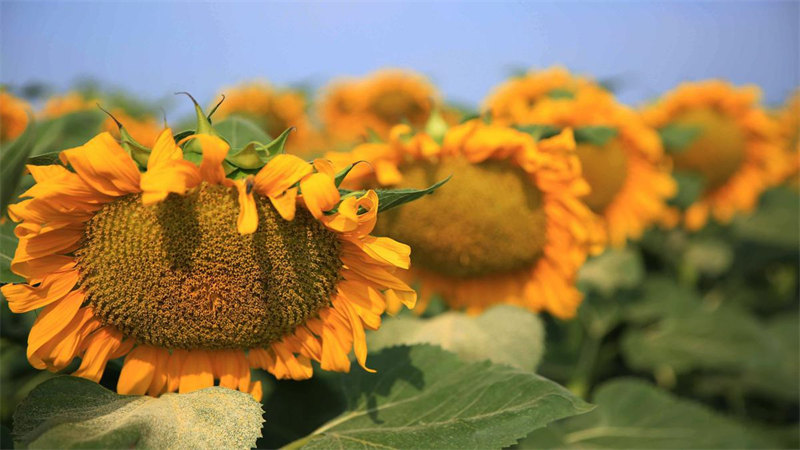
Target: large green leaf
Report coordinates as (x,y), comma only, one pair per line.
(8,246)
(707,336)
(64,132)
(503,335)
(13,157)
(425,396)
(776,222)
(70,412)
(239,132)
(635,414)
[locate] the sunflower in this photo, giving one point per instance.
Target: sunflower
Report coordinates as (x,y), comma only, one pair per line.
(625,167)
(274,110)
(734,147)
(13,116)
(144,129)
(789,123)
(513,100)
(507,228)
(350,109)
(195,277)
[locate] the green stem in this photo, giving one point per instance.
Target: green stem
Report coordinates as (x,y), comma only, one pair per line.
(584,369)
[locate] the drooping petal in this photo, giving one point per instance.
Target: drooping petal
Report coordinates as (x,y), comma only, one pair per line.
(104,165)
(196,372)
(286,204)
(319,193)
(281,173)
(138,371)
(23,297)
(247,223)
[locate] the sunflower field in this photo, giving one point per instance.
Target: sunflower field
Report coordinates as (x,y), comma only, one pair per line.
(370,265)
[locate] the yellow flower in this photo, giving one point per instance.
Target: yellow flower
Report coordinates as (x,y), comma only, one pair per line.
(195,277)
(144,130)
(736,150)
(628,175)
(507,228)
(512,101)
(275,111)
(350,108)
(13,116)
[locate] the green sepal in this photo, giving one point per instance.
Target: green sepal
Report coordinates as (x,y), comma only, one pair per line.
(595,135)
(436,127)
(690,188)
(182,135)
(677,138)
(538,131)
(203,126)
(251,156)
(343,173)
(392,198)
(138,152)
(561,94)
(276,146)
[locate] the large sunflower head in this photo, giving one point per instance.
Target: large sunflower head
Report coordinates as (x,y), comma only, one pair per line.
(13,116)
(144,128)
(512,101)
(507,228)
(273,109)
(352,108)
(728,142)
(621,157)
(198,272)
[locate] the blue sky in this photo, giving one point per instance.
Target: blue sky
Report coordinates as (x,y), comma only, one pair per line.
(156,48)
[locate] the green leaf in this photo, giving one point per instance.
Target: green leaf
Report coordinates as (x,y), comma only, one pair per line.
(561,94)
(8,246)
(690,188)
(13,157)
(635,414)
(239,132)
(502,334)
(425,396)
(392,198)
(704,337)
(595,135)
(676,138)
(775,222)
(538,131)
(613,270)
(708,256)
(71,412)
(64,132)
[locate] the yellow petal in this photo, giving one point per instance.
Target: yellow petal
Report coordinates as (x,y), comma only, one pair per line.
(286,204)
(137,370)
(319,193)
(104,165)
(282,172)
(214,152)
(247,222)
(164,151)
(53,319)
(22,297)
(196,372)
